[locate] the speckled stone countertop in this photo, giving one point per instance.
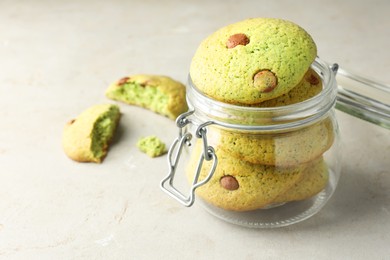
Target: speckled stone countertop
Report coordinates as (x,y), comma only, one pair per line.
(58,57)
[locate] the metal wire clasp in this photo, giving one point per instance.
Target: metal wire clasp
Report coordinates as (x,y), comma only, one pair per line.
(174,154)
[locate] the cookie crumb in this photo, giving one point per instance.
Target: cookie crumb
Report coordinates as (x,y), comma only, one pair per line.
(152,146)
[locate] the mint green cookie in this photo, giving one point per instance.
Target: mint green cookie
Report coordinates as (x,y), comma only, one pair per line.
(86,138)
(152,146)
(275,149)
(159,94)
(252,61)
(250,186)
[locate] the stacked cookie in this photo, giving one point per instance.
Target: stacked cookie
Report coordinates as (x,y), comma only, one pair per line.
(261,62)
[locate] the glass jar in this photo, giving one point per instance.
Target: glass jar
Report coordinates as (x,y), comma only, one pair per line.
(256,166)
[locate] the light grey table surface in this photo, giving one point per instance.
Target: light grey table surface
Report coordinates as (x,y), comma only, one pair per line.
(58,57)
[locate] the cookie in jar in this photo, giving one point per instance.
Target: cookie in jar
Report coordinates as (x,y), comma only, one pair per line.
(261,138)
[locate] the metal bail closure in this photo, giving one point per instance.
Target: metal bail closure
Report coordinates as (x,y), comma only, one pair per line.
(174,154)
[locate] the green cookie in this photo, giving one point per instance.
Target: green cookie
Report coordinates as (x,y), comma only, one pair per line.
(252,61)
(159,94)
(86,138)
(241,186)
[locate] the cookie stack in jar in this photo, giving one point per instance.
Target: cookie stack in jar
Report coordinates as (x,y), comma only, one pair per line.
(261,64)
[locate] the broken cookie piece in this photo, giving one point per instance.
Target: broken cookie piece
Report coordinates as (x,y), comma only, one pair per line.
(159,94)
(87,138)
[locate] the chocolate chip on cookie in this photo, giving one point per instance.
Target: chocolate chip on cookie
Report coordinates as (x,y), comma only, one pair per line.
(229,182)
(237,39)
(123,81)
(312,79)
(145,83)
(265,81)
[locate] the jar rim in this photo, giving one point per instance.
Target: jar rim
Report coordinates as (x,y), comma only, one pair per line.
(281,117)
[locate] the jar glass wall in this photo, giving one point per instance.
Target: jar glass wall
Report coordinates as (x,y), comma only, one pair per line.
(257,166)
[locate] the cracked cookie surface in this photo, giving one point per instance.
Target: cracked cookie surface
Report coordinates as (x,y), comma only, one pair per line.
(226,63)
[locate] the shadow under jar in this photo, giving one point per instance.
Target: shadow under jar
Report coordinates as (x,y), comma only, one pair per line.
(256,166)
